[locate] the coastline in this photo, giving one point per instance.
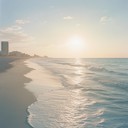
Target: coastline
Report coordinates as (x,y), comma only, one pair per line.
(14,98)
(5,63)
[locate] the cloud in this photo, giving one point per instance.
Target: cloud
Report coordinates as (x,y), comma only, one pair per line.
(105,19)
(22,22)
(67,18)
(78,25)
(15,33)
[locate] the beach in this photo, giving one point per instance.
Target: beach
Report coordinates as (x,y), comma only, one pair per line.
(14,98)
(63,93)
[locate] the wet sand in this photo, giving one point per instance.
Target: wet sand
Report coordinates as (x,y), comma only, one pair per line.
(14,98)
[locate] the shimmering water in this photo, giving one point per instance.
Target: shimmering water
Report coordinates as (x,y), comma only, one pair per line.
(79,93)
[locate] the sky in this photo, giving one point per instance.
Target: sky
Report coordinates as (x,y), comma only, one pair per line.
(66,28)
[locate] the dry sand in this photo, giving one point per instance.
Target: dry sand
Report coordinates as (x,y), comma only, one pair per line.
(14,98)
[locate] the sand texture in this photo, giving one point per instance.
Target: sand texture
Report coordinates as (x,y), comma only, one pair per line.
(14,98)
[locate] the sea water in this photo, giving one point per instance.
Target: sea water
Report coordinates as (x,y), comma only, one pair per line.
(78,93)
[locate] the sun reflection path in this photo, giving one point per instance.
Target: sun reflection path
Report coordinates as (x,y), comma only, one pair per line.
(79,72)
(77,111)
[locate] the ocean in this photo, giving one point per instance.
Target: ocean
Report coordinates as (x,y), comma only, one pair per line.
(78,93)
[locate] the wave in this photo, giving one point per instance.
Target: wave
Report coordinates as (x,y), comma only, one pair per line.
(77,95)
(87,65)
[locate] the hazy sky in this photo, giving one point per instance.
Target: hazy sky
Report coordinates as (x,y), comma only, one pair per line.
(66,28)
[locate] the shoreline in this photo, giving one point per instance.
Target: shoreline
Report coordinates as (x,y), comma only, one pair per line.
(14,97)
(5,63)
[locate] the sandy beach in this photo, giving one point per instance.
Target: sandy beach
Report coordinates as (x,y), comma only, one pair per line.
(14,98)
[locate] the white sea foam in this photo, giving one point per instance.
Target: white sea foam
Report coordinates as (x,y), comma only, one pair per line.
(43,86)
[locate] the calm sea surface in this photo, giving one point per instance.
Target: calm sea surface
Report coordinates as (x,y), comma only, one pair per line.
(79,93)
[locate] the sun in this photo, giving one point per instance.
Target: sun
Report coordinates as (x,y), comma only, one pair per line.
(76,44)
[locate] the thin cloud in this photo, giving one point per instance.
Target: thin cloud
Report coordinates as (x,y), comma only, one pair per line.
(15,33)
(78,25)
(67,18)
(105,19)
(22,22)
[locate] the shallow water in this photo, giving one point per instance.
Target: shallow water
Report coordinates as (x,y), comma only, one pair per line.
(79,93)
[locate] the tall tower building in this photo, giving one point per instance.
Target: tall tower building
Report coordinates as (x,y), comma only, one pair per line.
(4,48)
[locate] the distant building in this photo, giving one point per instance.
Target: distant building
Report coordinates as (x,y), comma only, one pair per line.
(4,48)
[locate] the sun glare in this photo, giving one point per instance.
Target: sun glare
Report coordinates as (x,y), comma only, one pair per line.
(76,44)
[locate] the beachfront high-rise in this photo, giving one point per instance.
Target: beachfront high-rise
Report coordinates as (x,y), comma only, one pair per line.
(4,48)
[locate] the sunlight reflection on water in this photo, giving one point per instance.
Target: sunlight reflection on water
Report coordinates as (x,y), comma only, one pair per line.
(72,95)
